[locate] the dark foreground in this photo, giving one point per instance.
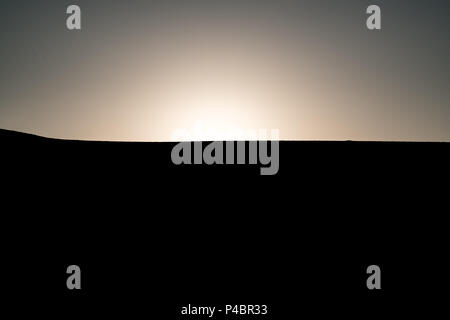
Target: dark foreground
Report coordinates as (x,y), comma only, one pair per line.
(151,237)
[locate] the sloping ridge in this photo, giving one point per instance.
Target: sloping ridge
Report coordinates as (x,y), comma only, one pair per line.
(11,134)
(8,135)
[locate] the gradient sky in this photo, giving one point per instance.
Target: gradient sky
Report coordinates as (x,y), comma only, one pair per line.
(141,70)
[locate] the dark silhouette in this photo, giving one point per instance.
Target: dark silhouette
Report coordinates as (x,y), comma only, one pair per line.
(147,231)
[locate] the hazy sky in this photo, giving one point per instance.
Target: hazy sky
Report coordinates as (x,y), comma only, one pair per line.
(142,70)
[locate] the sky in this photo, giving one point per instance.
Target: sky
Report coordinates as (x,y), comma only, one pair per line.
(169,70)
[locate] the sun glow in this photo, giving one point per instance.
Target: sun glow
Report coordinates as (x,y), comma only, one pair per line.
(211,114)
